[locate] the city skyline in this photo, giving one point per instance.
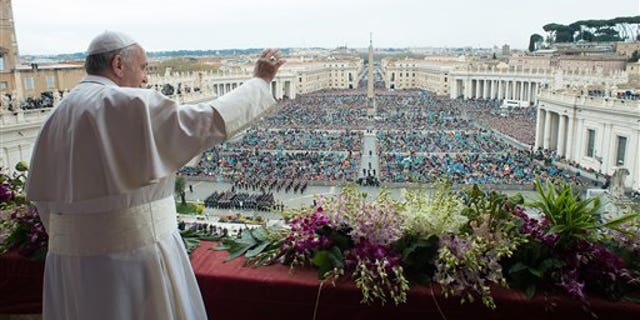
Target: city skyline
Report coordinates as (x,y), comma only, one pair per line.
(67,27)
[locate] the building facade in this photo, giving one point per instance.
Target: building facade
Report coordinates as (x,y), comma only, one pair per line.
(627,48)
(523,84)
(19,82)
(431,74)
(600,133)
(8,50)
(499,82)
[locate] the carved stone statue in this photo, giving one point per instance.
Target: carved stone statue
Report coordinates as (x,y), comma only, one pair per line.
(617,182)
(5,102)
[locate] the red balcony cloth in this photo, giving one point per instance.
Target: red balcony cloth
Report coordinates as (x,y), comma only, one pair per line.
(231,291)
(20,284)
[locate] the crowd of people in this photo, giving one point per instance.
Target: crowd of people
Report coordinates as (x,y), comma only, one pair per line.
(421,138)
(46,100)
(472,141)
(509,167)
(518,123)
(240,200)
(215,230)
(297,139)
(324,112)
(255,165)
(418,110)
(273,184)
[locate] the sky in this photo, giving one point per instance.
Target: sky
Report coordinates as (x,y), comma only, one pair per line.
(67,26)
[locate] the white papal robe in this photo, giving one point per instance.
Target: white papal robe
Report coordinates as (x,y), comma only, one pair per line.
(102,177)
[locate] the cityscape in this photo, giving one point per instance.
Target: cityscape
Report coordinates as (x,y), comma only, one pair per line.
(565,109)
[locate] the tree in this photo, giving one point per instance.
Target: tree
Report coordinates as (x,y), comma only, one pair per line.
(564,34)
(535,41)
(616,29)
(179,188)
(587,36)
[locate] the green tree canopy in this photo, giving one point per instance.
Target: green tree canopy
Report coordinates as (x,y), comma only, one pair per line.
(594,30)
(535,41)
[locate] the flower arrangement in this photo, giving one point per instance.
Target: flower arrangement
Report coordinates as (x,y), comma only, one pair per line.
(465,241)
(20,225)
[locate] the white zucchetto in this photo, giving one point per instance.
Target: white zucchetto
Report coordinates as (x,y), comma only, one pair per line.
(109,41)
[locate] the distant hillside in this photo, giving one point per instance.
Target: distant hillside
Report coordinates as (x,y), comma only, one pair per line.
(157,54)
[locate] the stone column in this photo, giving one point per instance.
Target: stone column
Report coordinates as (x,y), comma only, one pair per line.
(579,141)
(539,128)
(485,86)
(500,89)
(561,135)
(507,85)
(488,91)
(608,143)
(494,89)
(547,130)
(569,145)
(511,89)
(521,90)
(515,90)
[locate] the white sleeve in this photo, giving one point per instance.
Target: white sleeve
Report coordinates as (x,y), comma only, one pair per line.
(182,132)
(244,104)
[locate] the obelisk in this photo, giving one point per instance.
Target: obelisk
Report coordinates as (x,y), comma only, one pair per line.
(370,95)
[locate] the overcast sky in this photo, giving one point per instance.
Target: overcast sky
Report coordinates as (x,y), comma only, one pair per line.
(65,26)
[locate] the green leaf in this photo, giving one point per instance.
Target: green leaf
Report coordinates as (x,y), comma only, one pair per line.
(517,267)
(237,251)
(259,234)
(530,291)
(536,272)
(621,220)
(339,238)
(257,250)
(221,247)
(327,260)
(552,263)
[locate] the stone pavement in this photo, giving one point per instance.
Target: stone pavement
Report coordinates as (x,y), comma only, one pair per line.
(202,189)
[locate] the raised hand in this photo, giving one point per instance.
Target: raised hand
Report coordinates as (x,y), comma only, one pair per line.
(268,64)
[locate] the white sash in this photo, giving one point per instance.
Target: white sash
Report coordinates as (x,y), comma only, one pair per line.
(91,234)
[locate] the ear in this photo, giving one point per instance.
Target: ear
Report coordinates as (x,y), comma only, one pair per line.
(117,65)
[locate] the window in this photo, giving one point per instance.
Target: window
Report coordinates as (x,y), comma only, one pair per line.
(591,142)
(622,149)
(1,62)
(3,85)
(28,83)
(51,82)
